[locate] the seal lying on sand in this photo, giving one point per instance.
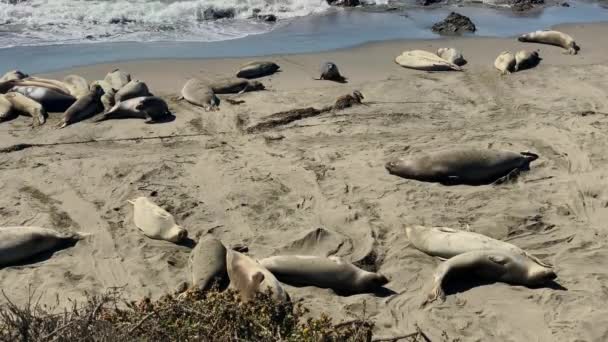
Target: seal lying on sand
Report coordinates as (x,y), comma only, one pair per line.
(505,62)
(155,222)
(348,100)
(235,85)
(21,243)
(51,100)
(462,166)
(85,107)
(490,265)
(200,94)
(55,85)
(207,263)
(444,242)
(107,99)
(552,38)
(257,69)
(330,272)
(131,90)
(452,55)
(526,60)
(13,75)
(117,79)
(424,60)
(6,108)
(248,277)
(150,108)
(330,72)
(23,104)
(77,85)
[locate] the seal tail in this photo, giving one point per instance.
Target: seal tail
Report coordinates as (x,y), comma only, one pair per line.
(132,202)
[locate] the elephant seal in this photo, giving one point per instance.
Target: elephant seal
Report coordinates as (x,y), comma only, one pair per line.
(552,38)
(257,69)
(330,72)
(505,62)
(200,94)
(14,75)
(526,60)
(86,106)
(117,79)
(6,108)
(21,243)
(235,85)
(452,55)
(425,61)
(348,100)
(55,85)
(131,90)
(207,263)
(462,166)
(155,222)
(51,100)
(445,243)
(150,108)
(247,277)
(77,85)
(108,94)
(493,265)
(324,272)
(25,105)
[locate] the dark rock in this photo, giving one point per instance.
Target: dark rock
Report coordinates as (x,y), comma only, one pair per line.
(525,5)
(565,4)
(454,24)
(218,13)
(344,3)
(427,2)
(269,18)
(121,20)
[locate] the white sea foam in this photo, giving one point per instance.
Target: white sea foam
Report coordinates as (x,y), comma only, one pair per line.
(63,21)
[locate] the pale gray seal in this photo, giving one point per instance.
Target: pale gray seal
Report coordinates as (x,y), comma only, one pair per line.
(248,277)
(452,55)
(330,72)
(490,265)
(25,105)
(526,60)
(257,69)
(552,38)
(426,61)
(150,108)
(462,166)
(18,244)
(444,242)
(325,272)
(51,100)
(6,108)
(131,90)
(235,85)
(117,79)
(207,263)
(200,94)
(505,62)
(54,85)
(85,107)
(77,85)
(155,222)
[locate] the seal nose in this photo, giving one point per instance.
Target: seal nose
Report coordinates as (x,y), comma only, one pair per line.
(551,276)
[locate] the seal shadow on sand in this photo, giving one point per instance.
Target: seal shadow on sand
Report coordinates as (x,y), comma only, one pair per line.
(43,256)
(460,285)
(381,292)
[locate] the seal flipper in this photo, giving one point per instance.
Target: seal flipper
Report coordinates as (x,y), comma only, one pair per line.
(511,176)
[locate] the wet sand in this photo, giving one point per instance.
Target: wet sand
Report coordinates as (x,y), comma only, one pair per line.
(328,172)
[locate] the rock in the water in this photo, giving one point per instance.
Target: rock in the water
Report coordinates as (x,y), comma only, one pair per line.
(269,18)
(427,2)
(212,13)
(525,5)
(344,3)
(454,24)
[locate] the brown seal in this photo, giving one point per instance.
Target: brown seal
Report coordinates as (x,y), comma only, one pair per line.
(85,107)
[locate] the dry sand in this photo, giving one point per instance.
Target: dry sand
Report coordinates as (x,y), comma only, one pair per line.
(328,171)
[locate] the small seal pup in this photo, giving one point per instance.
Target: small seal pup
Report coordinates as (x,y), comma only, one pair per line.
(21,243)
(445,243)
(257,69)
(200,94)
(552,38)
(51,100)
(77,85)
(505,62)
(325,272)
(150,108)
(207,263)
(526,60)
(155,222)
(117,79)
(493,265)
(348,100)
(462,166)
(14,75)
(247,277)
(235,85)
(425,61)
(452,55)
(25,105)
(85,107)
(330,72)
(131,90)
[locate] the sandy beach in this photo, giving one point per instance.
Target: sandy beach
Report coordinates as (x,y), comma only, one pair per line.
(270,189)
